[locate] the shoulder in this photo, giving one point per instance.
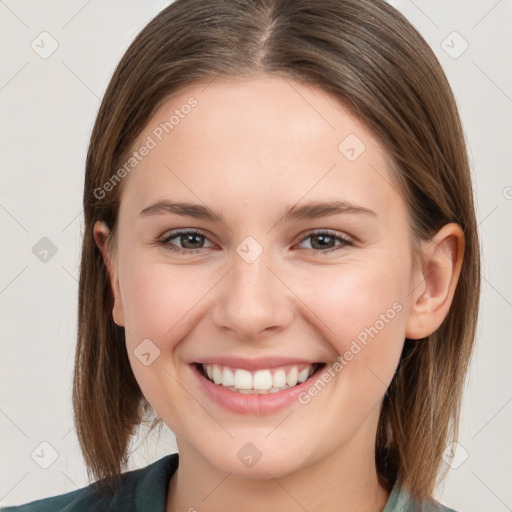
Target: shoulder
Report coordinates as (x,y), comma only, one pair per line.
(85,499)
(137,489)
(434,506)
(400,501)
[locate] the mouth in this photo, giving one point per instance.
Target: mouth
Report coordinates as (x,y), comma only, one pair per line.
(258,382)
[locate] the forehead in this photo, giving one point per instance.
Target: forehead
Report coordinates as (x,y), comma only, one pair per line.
(259,140)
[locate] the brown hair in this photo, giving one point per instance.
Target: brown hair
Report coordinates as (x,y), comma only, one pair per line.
(371,58)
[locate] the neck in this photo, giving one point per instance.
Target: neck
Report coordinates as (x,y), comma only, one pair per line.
(345,480)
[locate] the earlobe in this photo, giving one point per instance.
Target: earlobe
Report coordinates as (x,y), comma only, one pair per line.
(101,233)
(433,287)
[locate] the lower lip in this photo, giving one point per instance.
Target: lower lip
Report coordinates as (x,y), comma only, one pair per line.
(252,404)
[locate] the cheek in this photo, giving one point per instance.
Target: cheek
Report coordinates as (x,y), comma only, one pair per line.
(362,311)
(158,298)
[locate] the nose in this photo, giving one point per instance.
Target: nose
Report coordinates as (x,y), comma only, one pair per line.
(252,300)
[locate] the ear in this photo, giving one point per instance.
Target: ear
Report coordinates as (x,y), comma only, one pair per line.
(434,285)
(101,233)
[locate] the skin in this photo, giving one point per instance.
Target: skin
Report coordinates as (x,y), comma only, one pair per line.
(250,149)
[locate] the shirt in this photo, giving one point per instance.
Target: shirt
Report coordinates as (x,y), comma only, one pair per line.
(145,490)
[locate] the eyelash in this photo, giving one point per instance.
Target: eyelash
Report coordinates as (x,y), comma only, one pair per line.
(345,242)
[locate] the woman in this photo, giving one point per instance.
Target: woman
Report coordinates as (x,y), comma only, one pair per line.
(309,353)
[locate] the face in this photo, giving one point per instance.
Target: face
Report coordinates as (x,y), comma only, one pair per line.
(268,281)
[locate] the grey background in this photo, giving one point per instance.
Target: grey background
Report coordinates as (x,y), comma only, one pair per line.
(48,106)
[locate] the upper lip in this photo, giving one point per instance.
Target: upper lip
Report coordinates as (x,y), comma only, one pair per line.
(255,363)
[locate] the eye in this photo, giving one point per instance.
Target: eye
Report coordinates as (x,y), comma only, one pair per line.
(324,241)
(191,241)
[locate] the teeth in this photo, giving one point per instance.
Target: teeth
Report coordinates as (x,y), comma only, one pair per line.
(291,378)
(262,380)
(279,379)
(259,382)
(243,379)
(228,379)
(303,375)
(217,376)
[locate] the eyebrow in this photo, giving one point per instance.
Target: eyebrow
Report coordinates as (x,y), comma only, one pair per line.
(311,210)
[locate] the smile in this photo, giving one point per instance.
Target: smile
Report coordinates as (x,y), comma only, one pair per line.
(258,382)
(254,391)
